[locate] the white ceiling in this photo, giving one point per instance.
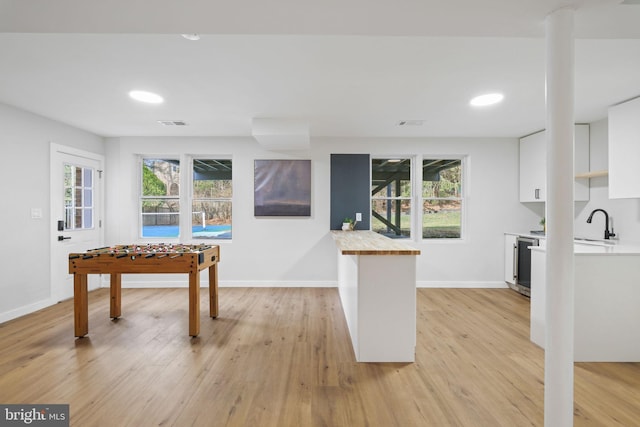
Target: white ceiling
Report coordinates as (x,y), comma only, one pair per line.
(349,68)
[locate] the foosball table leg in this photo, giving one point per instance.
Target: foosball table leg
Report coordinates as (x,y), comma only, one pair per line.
(194,303)
(80,305)
(116,295)
(213,290)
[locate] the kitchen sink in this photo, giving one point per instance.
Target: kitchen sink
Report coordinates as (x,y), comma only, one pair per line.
(589,241)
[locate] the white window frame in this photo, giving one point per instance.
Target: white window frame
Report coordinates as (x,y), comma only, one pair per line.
(411,198)
(190,197)
(180,198)
(464,197)
(185,197)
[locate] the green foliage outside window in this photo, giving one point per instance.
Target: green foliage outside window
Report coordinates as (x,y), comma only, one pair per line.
(151,184)
(160,203)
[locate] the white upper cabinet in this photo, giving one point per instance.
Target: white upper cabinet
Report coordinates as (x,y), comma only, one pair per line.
(533,168)
(624,150)
(533,165)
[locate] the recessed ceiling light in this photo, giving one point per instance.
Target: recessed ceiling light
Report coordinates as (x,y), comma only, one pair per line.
(143,96)
(487,99)
(192,37)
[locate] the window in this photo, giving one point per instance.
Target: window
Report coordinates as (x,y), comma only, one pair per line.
(160,199)
(440,195)
(211,206)
(208,203)
(391,197)
(78,197)
(441,198)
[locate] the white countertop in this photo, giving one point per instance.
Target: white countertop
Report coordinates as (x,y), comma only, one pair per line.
(592,246)
(596,249)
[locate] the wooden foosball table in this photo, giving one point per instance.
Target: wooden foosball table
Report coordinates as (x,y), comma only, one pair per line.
(144,259)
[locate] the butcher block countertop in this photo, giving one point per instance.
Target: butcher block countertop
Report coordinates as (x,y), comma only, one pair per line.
(366,242)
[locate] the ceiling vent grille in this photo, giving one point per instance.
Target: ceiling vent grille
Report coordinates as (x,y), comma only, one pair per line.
(172,122)
(410,123)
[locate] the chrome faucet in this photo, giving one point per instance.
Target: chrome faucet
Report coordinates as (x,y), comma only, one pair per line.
(607,233)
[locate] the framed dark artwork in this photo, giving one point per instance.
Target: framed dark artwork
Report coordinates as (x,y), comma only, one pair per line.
(282,188)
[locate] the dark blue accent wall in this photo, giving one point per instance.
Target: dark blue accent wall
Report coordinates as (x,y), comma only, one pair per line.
(350,186)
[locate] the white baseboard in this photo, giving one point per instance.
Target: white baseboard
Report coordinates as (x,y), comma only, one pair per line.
(39,305)
(278,284)
(465,285)
(228,284)
(296,284)
(24,310)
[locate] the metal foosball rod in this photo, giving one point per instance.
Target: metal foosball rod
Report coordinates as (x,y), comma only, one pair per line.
(102,250)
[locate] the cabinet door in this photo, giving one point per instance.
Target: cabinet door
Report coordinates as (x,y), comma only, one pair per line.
(533,168)
(510,248)
(538,297)
(624,150)
(533,165)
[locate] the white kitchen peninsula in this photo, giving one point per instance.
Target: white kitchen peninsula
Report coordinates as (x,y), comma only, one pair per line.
(377,285)
(607,301)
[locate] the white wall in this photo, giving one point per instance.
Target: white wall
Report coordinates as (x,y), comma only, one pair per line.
(264,252)
(300,252)
(25,249)
(625,212)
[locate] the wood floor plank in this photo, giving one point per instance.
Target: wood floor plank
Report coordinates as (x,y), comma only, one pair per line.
(283,357)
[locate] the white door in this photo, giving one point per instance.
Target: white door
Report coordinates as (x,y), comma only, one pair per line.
(76,213)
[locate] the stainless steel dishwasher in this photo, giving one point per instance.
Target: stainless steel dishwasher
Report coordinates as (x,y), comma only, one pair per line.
(522,264)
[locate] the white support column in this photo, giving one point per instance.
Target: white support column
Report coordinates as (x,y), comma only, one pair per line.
(558,372)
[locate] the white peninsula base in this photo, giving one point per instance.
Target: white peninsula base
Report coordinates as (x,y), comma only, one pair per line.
(377,285)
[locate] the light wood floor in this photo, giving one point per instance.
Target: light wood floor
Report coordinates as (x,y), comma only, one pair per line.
(282,357)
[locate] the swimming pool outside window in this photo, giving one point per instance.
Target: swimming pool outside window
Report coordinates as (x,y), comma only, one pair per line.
(211,210)
(160,198)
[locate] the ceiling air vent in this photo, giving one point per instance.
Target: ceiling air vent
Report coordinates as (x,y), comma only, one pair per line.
(172,122)
(410,123)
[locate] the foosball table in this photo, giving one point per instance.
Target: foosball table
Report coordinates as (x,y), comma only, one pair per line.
(144,259)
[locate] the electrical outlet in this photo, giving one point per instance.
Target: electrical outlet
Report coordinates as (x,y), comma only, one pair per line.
(358,216)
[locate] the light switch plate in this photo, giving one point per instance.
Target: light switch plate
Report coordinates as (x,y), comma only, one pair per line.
(36,213)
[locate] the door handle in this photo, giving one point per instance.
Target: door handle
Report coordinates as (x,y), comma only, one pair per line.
(515,262)
(61,238)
